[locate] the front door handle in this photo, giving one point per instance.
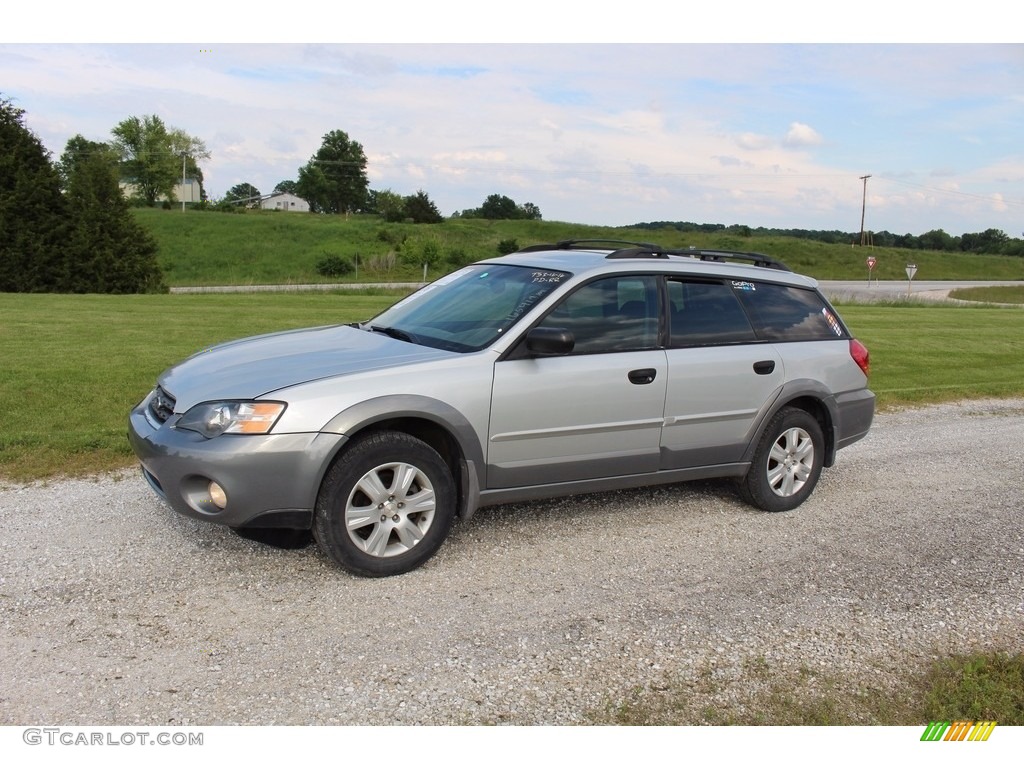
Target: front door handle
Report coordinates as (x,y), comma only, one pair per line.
(764,367)
(642,375)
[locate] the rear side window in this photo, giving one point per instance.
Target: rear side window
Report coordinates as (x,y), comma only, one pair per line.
(705,313)
(786,313)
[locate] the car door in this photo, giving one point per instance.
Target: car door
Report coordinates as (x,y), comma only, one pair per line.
(720,376)
(594,412)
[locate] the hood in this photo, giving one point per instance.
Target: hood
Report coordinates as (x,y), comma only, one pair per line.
(253,367)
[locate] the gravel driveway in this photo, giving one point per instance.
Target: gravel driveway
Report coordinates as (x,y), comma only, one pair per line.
(118,611)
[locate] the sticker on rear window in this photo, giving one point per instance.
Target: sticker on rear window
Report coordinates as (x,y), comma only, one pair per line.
(742,285)
(833,321)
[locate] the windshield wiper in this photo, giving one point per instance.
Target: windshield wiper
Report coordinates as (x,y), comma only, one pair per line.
(395,333)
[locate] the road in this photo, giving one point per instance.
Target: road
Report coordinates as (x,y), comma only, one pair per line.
(290,288)
(117,611)
(934,290)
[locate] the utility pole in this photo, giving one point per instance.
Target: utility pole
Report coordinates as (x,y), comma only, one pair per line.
(184,155)
(863,207)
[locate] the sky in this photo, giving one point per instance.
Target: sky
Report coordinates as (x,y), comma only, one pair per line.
(612,123)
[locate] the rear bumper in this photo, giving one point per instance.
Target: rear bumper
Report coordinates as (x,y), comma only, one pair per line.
(271,481)
(856,412)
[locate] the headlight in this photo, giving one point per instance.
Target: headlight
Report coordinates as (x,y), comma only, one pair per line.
(212,419)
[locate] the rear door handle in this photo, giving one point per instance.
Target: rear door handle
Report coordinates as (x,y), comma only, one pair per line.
(764,367)
(643,375)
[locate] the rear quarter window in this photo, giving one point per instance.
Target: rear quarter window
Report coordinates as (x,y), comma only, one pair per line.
(787,313)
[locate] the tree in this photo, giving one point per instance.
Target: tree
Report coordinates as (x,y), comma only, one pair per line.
(421,209)
(76,151)
(107,251)
(83,241)
(499,207)
(989,241)
(188,149)
(334,180)
(32,220)
(287,186)
(530,212)
(503,207)
(152,155)
(387,204)
(243,193)
(507,246)
(936,240)
(314,187)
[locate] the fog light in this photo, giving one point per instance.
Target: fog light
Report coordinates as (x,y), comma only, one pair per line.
(218,496)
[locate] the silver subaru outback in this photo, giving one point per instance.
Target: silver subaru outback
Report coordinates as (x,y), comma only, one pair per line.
(568,368)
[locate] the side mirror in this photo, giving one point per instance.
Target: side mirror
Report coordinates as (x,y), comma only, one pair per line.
(545,341)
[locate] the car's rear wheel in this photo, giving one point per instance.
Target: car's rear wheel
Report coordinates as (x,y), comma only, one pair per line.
(386,505)
(787,462)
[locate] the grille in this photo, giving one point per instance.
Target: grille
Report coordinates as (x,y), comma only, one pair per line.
(161,405)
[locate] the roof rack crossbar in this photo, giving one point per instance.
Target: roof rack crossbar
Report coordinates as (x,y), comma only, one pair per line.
(640,252)
(566,245)
(757,259)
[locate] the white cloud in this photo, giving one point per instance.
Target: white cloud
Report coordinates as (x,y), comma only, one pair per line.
(609,134)
(801,135)
(753,141)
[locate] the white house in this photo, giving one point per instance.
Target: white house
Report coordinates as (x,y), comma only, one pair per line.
(187,193)
(284,201)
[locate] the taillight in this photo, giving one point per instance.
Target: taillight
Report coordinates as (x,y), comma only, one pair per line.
(860,356)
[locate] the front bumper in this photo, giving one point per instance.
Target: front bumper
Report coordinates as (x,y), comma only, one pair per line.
(271,481)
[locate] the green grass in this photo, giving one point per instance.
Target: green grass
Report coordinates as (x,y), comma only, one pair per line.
(207,248)
(73,366)
(996,294)
(981,686)
(925,353)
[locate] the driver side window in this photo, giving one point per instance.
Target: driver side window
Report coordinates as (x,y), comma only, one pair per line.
(614,314)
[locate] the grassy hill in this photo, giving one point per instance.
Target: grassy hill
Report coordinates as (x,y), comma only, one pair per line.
(267,247)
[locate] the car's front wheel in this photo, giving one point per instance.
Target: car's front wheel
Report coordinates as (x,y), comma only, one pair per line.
(386,505)
(787,462)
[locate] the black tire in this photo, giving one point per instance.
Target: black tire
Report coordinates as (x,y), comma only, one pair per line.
(385,506)
(787,462)
(279,538)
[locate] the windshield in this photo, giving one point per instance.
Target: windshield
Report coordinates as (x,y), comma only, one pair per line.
(468,309)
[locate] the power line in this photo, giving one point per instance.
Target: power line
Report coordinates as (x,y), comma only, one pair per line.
(952,192)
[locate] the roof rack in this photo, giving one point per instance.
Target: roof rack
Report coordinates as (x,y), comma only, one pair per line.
(756,259)
(651,251)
